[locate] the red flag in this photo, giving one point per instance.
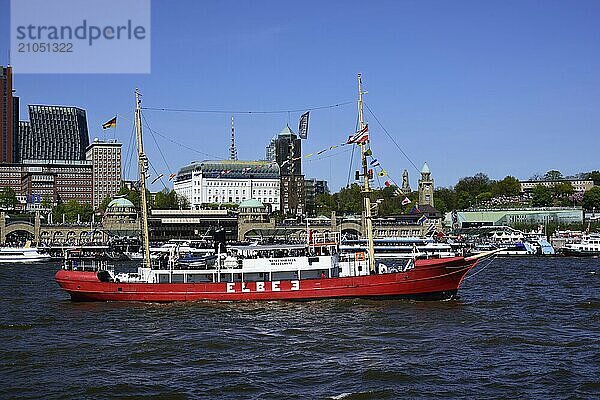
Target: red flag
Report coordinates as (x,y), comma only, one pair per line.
(360,136)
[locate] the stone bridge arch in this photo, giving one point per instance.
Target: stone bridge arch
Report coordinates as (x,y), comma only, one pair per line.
(18,226)
(350,227)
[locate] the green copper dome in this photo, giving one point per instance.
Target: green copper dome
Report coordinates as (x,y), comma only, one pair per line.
(121,203)
(251,203)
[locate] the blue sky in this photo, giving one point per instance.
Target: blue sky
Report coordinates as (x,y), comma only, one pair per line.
(500,87)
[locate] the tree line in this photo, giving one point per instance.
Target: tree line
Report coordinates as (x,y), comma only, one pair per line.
(470,192)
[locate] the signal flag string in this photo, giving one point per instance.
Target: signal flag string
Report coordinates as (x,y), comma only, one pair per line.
(200,111)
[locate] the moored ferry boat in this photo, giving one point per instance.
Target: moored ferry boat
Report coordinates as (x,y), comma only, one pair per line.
(315,270)
(589,245)
(22,255)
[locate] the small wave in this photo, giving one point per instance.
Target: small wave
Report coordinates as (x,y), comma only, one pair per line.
(293,331)
(589,388)
(16,327)
(341,396)
(516,340)
(592,304)
(388,376)
(370,394)
(559,375)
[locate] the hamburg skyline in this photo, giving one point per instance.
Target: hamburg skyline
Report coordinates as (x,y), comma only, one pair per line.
(507,88)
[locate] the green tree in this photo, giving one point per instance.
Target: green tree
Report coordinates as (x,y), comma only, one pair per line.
(134,196)
(184,203)
(71,210)
(553,175)
(388,201)
(349,200)
(47,202)
(541,196)
(104,204)
(509,186)
(483,198)
(464,200)
(325,204)
(8,198)
(591,199)
(85,212)
(595,176)
(474,185)
(169,200)
(562,190)
(448,199)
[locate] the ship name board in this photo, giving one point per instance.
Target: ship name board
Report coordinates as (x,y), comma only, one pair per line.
(237,287)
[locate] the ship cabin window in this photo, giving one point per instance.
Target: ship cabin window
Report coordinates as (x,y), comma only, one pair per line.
(256,277)
(314,274)
(163,278)
(237,277)
(226,277)
(177,278)
(284,275)
(200,278)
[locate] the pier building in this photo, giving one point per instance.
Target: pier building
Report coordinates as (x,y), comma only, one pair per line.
(514,216)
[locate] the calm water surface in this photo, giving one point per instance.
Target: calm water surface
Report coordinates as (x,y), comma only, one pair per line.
(521,328)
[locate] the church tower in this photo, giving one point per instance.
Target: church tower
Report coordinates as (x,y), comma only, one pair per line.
(405,183)
(426,186)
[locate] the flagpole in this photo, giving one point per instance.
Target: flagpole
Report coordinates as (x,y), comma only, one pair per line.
(116,126)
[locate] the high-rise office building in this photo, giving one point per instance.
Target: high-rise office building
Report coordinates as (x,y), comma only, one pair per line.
(286,150)
(106,163)
(57,133)
(9,116)
(25,140)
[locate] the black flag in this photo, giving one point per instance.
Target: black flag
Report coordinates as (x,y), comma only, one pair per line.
(303,126)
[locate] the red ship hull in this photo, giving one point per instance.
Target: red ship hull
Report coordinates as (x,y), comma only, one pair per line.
(430,279)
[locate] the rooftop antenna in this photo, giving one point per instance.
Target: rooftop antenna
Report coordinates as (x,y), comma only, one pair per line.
(232,150)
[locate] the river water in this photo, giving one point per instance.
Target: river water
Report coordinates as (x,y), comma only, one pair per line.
(520,328)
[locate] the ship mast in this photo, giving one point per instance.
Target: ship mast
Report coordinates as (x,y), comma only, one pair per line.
(365,173)
(143,167)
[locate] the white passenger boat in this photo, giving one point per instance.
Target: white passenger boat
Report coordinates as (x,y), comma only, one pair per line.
(588,246)
(22,255)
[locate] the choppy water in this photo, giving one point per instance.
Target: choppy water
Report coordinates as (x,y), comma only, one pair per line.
(522,328)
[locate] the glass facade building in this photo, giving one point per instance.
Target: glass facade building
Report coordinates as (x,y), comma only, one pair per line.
(55,133)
